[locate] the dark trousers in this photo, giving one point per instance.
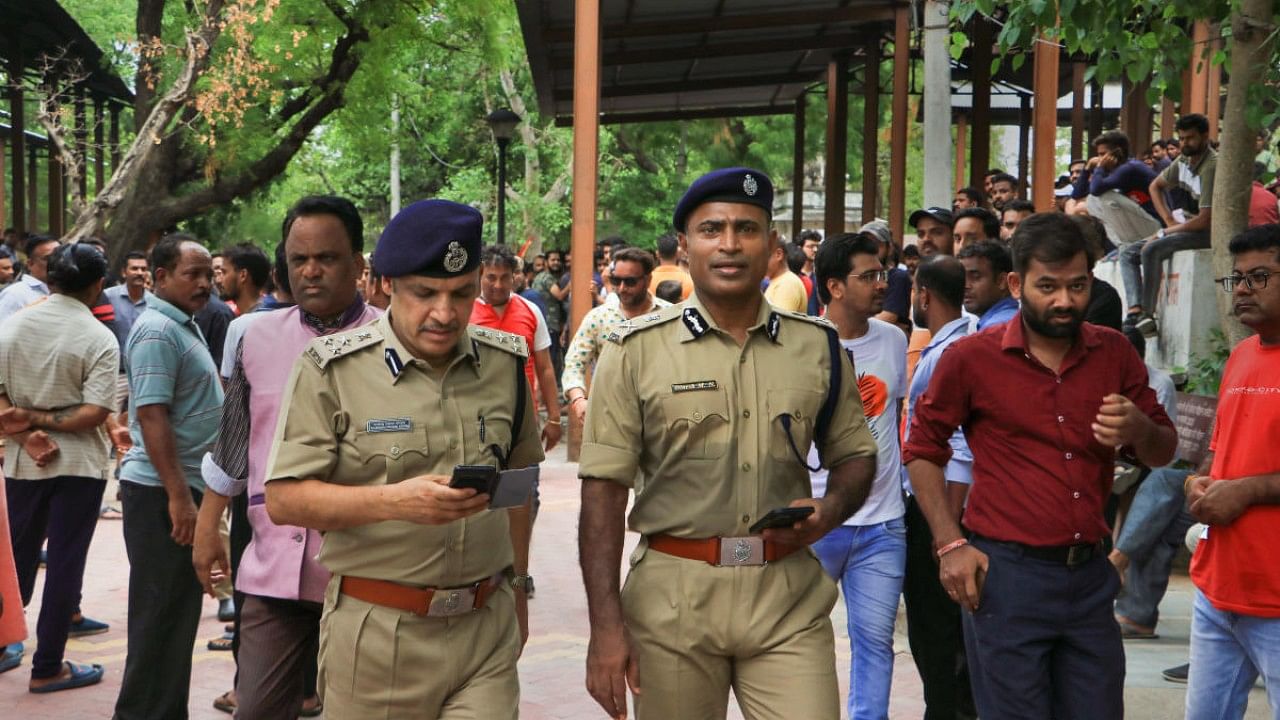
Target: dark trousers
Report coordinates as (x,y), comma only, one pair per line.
(240,535)
(63,509)
(279,642)
(933,626)
(164,610)
(1044,642)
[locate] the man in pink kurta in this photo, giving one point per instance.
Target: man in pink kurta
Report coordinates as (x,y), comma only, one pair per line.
(282,583)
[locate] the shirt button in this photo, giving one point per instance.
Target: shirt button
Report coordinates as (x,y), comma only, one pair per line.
(1061,419)
(1077,536)
(746,413)
(395,450)
(1068,456)
(746,467)
(796,414)
(742,359)
(697,416)
(297,537)
(1075,494)
(746,518)
(1059,381)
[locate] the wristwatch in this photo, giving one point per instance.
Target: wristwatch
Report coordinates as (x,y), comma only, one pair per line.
(522,582)
(1160,234)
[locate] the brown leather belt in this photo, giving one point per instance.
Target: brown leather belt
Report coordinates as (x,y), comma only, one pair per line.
(426,602)
(723,551)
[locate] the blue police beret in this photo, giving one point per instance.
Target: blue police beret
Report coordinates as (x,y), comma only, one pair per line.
(735,185)
(435,238)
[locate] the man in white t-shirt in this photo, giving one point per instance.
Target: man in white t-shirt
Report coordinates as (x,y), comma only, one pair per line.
(868,554)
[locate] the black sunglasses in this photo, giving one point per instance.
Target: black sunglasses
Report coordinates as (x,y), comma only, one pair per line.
(626,281)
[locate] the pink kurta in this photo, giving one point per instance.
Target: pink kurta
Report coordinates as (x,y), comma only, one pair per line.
(13,625)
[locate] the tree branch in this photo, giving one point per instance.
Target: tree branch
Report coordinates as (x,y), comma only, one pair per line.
(643,161)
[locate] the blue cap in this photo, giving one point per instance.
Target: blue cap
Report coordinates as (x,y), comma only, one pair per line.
(734,185)
(435,238)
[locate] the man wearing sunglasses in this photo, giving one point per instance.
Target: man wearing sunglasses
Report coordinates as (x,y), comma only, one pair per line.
(1235,619)
(630,276)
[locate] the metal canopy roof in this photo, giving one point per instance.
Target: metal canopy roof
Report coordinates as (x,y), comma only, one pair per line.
(36,27)
(677,59)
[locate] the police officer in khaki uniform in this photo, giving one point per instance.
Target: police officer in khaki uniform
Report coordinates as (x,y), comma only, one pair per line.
(426,612)
(706,409)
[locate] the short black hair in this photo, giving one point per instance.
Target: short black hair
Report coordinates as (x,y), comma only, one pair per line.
(993,171)
(166,252)
(973,194)
(669,290)
(807,235)
(135,255)
(1005,178)
(282,269)
(74,267)
(555,251)
(1019,205)
(1095,234)
(1114,139)
(35,241)
(795,257)
(993,252)
(244,256)
(636,255)
(498,254)
(339,207)
(990,223)
(1193,121)
(1049,238)
(5,253)
(1136,339)
(834,259)
(942,275)
(612,241)
(668,246)
(1256,238)
(1159,143)
(910,251)
(1173,142)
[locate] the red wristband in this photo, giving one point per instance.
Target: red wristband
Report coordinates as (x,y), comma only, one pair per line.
(952,546)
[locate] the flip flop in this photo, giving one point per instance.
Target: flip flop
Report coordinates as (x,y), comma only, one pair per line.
(225,702)
(81,676)
(1130,631)
(110,513)
(11,657)
(220,644)
(311,712)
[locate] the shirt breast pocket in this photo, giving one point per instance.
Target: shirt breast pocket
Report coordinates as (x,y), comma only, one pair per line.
(798,409)
(697,424)
(395,455)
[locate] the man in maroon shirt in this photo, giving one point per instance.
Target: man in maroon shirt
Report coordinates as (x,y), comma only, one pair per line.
(1045,401)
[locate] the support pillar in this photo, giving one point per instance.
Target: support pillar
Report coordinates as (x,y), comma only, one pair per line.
(901,121)
(1095,108)
(1078,150)
(1046,125)
(99,149)
(837,144)
(114,137)
(1024,144)
(4,200)
(937,105)
(797,169)
(1167,118)
(57,193)
(870,131)
(1200,63)
(82,143)
(17,124)
(962,138)
(980,146)
(1213,104)
(33,189)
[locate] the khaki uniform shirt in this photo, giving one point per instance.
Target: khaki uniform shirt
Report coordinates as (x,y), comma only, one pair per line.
(361,410)
(698,417)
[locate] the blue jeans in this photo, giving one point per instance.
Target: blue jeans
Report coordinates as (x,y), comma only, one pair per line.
(869,562)
(1141,265)
(1153,532)
(1228,652)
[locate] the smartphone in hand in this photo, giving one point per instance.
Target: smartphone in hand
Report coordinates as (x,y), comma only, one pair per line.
(783,517)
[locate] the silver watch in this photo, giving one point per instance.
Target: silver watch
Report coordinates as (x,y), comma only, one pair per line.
(522,582)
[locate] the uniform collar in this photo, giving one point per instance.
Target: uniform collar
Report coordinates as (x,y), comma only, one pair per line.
(398,359)
(697,320)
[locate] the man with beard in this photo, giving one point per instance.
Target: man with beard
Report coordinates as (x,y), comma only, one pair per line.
(554,297)
(500,308)
(1031,574)
(247,270)
(986,283)
(867,554)
(933,231)
(1004,190)
(1014,212)
(632,275)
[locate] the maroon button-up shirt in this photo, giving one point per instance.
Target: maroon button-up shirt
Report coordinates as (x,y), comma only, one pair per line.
(1039,476)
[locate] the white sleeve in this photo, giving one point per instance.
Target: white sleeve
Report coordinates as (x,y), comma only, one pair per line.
(541,336)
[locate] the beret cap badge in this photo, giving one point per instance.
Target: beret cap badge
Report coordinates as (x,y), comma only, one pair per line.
(455,258)
(750,186)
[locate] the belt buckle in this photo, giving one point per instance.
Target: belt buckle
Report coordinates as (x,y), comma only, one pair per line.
(1077,554)
(740,551)
(452,601)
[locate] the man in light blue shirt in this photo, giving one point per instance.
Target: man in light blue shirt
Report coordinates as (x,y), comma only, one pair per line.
(129,299)
(933,620)
(175,404)
(987,265)
(31,286)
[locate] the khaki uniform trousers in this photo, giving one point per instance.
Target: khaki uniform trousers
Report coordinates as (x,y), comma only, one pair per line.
(378,662)
(764,631)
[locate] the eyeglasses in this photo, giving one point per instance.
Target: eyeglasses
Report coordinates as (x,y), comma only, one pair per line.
(625,281)
(872,276)
(1255,280)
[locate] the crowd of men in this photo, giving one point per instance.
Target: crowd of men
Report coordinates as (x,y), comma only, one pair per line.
(783,422)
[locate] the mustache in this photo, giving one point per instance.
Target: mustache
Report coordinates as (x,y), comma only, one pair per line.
(437,327)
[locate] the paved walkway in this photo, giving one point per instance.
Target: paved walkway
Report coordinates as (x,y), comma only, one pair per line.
(553,663)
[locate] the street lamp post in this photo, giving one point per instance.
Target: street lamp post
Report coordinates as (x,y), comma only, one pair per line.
(503,124)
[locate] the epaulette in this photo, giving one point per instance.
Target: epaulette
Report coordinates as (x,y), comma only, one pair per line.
(627,328)
(506,341)
(329,347)
(821,322)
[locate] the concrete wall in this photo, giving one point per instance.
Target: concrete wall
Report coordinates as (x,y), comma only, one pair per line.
(1188,308)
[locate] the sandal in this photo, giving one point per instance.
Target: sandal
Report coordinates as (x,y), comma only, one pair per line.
(1132,631)
(226,702)
(81,676)
(308,712)
(221,644)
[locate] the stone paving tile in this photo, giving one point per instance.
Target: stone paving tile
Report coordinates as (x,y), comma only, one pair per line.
(552,668)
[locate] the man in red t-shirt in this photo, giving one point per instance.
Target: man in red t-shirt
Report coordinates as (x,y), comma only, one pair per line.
(1235,623)
(500,308)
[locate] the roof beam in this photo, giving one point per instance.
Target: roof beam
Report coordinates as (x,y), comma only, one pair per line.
(695,114)
(696,85)
(728,49)
(858,14)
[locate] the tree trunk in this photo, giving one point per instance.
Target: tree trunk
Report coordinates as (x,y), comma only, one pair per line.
(1252,40)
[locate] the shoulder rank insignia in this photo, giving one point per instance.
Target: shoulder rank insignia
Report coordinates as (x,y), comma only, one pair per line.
(327,348)
(627,328)
(504,341)
(821,322)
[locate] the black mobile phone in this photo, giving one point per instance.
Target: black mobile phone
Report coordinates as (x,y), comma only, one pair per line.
(783,517)
(480,478)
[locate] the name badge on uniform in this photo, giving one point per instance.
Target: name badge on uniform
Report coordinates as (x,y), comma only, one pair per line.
(386,425)
(693,386)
